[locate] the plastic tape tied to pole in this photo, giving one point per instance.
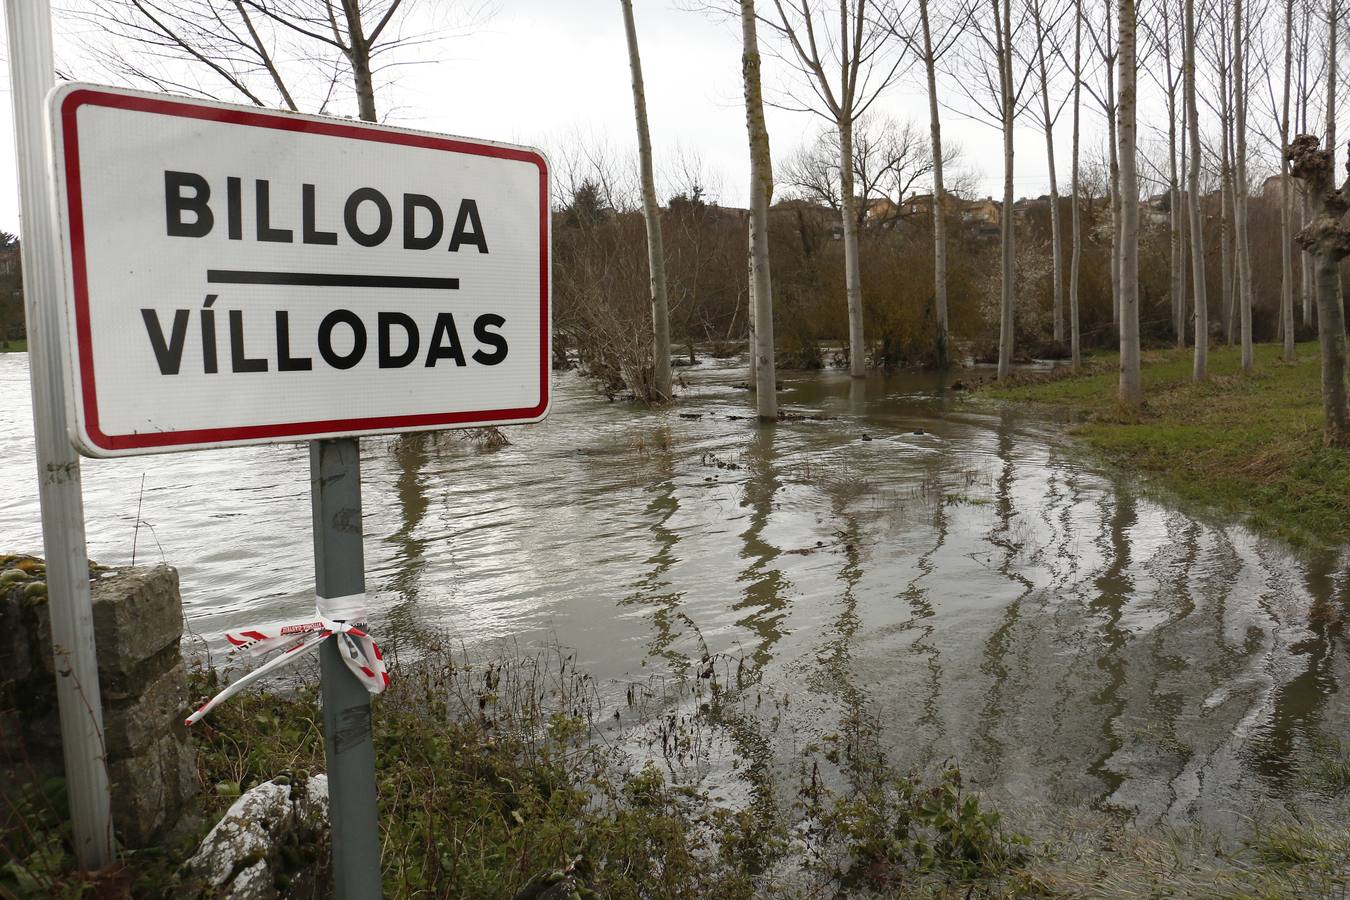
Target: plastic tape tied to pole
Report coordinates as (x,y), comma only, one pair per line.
(335,617)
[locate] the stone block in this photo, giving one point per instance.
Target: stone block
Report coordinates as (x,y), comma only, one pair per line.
(138,613)
(149,788)
(131,724)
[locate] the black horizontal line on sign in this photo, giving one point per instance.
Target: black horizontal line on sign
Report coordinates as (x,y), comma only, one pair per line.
(329,279)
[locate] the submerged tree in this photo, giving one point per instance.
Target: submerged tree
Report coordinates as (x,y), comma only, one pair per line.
(663,388)
(761,190)
(846,72)
(1329,242)
(930,45)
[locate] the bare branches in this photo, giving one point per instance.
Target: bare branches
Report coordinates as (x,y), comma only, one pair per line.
(290,54)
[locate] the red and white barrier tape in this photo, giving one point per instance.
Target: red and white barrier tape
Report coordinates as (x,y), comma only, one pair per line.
(334,618)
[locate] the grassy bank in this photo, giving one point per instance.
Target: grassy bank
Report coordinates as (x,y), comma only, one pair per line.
(492,783)
(14,347)
(1245,444)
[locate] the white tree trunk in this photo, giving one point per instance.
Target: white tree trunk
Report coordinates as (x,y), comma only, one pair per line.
(1244,258)
(1131,388)
(1227,274)
(857,350)
(761,189)
(1007,296)
(651,212)
(1287,194)
(939,194)
(1075,344)
(1200,369)
(1056,248)
(1113,139)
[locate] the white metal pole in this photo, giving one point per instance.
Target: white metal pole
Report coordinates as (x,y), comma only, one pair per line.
(32,75)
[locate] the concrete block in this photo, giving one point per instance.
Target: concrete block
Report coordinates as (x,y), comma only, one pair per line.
(138,613)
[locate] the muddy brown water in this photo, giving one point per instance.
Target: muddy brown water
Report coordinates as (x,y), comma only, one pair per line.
(956,571)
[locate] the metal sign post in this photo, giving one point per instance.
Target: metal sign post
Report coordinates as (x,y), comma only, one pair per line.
(241,276)
(339,571)
(81,709)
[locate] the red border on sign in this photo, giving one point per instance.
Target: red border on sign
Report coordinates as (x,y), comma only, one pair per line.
(84,338)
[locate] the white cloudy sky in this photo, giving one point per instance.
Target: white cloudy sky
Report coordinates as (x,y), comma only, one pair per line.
(551,72)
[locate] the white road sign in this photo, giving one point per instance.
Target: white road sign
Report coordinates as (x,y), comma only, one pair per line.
(238,276)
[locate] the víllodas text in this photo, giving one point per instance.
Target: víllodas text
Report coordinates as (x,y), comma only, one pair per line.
(343,337)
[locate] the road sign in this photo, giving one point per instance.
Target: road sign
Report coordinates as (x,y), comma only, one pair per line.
(239,276)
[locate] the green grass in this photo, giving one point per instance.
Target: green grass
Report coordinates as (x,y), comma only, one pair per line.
(1246,444)
(14,347)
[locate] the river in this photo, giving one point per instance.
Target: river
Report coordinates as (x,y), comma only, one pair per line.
(953,570)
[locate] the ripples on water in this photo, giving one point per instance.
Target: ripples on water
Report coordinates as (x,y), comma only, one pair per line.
(961,575)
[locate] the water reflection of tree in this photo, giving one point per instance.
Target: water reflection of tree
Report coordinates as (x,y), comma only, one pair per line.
(653,589)
(923,618)
(1114,587)
(762,597)
(1003,538)
(411,452)
(1299,705)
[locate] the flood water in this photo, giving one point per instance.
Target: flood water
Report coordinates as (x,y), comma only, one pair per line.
(964,577)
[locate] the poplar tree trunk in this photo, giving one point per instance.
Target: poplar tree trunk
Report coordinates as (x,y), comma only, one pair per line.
(1131,388)
(1244,259)
(1333,20)
(651,212)
(1114,138)
(1056,247)
(1286,194)
(939,194)
(1201,366)
(1329,242)
(857,351)
(1006,321)
(1075,346)
(1226,274)
(1174,219)
(358,54)
(761,190)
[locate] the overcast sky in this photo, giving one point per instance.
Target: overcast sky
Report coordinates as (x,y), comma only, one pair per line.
(550,72)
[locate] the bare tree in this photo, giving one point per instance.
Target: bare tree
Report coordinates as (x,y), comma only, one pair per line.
(290,54)
(855,52)
(889,159)
(1244,258)
(930,45)
(663,389)
(1329,242)
(1103,40)
(1075,263)
(761,189)
(1200,369)
(1131,388)
(1045,21)
(1287,194)
(990,80)
(1163,32)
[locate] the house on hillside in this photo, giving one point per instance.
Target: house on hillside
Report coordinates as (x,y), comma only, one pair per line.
(983,217)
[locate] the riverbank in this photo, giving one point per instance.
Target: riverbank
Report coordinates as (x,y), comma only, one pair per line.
(1244,444)
(14,347)
(494,781)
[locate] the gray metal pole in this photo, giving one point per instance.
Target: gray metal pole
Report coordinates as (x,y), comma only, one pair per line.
(31,76)
(339,571)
